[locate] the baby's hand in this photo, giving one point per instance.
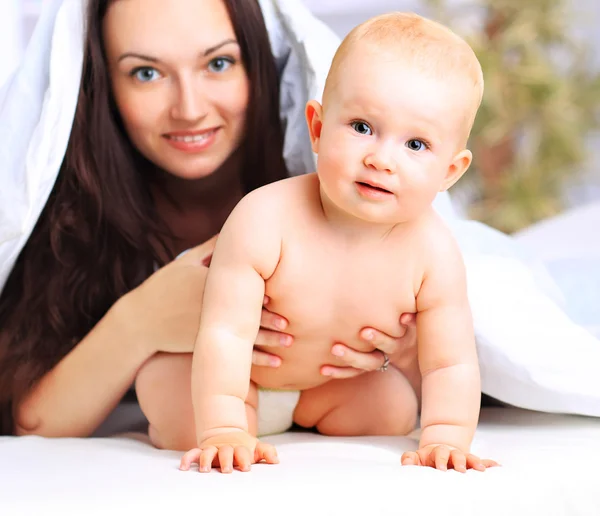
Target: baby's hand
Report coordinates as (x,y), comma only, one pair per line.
(442,457)
(228,450)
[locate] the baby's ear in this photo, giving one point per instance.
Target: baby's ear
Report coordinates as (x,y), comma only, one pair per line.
(314,119)
(457,168)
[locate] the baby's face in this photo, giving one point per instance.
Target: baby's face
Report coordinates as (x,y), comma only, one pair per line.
(389,137)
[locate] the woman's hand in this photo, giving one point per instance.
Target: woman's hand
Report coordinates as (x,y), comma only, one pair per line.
(358,362)
(164,312)
(272,335)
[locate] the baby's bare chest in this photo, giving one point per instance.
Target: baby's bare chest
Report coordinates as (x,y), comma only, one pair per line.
(330,291)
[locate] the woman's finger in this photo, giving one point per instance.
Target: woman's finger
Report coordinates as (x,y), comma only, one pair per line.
(369,361)
(273,339)
(263,359)
(340,373)
(271,321)
(408,319)
(381,341)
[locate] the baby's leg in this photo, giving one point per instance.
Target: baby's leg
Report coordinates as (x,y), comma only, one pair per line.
(163,387)
(377,403)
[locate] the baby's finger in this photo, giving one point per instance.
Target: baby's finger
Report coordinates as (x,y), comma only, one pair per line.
(226,459)
(206,459)
(410,459)
(264,359)
(271,321)
(242,458)
(273,339)
(189,458)
(459,461)
(488,463)
(439,456)
(474,462)
(266,452)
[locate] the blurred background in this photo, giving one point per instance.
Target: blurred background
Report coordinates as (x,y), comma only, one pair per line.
(537,137)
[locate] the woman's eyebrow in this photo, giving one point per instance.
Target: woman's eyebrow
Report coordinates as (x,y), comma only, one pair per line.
(137,56)
(207,52)
(218,46)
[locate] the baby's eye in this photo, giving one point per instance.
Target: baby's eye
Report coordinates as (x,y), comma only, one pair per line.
(362,128)
(417,145)
(220,64)
(145,74)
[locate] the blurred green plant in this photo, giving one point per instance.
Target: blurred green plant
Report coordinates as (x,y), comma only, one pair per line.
(541,104)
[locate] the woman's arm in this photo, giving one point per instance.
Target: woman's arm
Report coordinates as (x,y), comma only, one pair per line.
(162,314)
(75,397)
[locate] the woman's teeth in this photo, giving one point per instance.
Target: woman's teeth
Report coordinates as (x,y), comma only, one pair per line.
(190,139)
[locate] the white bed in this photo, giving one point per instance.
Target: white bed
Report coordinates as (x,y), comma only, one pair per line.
(550,467)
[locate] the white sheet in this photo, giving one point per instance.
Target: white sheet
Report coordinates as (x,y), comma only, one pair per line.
(550,467)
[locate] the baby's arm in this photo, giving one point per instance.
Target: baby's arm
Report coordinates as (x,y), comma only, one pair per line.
(244,258)
(447,356)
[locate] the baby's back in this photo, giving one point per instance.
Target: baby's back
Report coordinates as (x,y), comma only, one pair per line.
(330,285)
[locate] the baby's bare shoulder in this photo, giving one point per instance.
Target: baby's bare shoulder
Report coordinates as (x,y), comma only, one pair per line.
(436,236)
(437,246)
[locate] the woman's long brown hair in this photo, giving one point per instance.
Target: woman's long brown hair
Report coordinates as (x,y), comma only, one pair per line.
(96,237)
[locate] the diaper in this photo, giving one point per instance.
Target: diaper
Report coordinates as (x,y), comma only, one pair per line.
(276,410)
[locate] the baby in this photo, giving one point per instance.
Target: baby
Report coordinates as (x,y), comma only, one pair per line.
(355,244)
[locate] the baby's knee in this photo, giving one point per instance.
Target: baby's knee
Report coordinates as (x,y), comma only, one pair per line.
(163,391)
(172,437)
(151,375)
(400,422)
(396,405)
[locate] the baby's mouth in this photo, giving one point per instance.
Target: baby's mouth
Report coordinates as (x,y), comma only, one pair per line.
(373,187)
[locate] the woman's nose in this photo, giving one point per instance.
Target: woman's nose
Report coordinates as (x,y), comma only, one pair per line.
(188,104)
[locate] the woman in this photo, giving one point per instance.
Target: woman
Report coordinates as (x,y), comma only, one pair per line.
(177,118)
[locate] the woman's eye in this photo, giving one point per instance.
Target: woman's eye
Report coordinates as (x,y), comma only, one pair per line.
(220,64)
(145,74)
(416,145)
(361,128)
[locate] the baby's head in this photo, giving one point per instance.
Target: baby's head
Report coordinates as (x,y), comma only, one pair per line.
(418,46)
(401,97)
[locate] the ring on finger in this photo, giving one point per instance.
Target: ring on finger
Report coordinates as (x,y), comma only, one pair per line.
(386,363)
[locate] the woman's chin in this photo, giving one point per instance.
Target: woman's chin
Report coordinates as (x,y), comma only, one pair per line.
(191,175)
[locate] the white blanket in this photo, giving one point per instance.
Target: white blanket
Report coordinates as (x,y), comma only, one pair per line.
(549,468)
(532,354)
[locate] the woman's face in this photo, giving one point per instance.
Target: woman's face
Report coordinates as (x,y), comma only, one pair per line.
(178,81)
